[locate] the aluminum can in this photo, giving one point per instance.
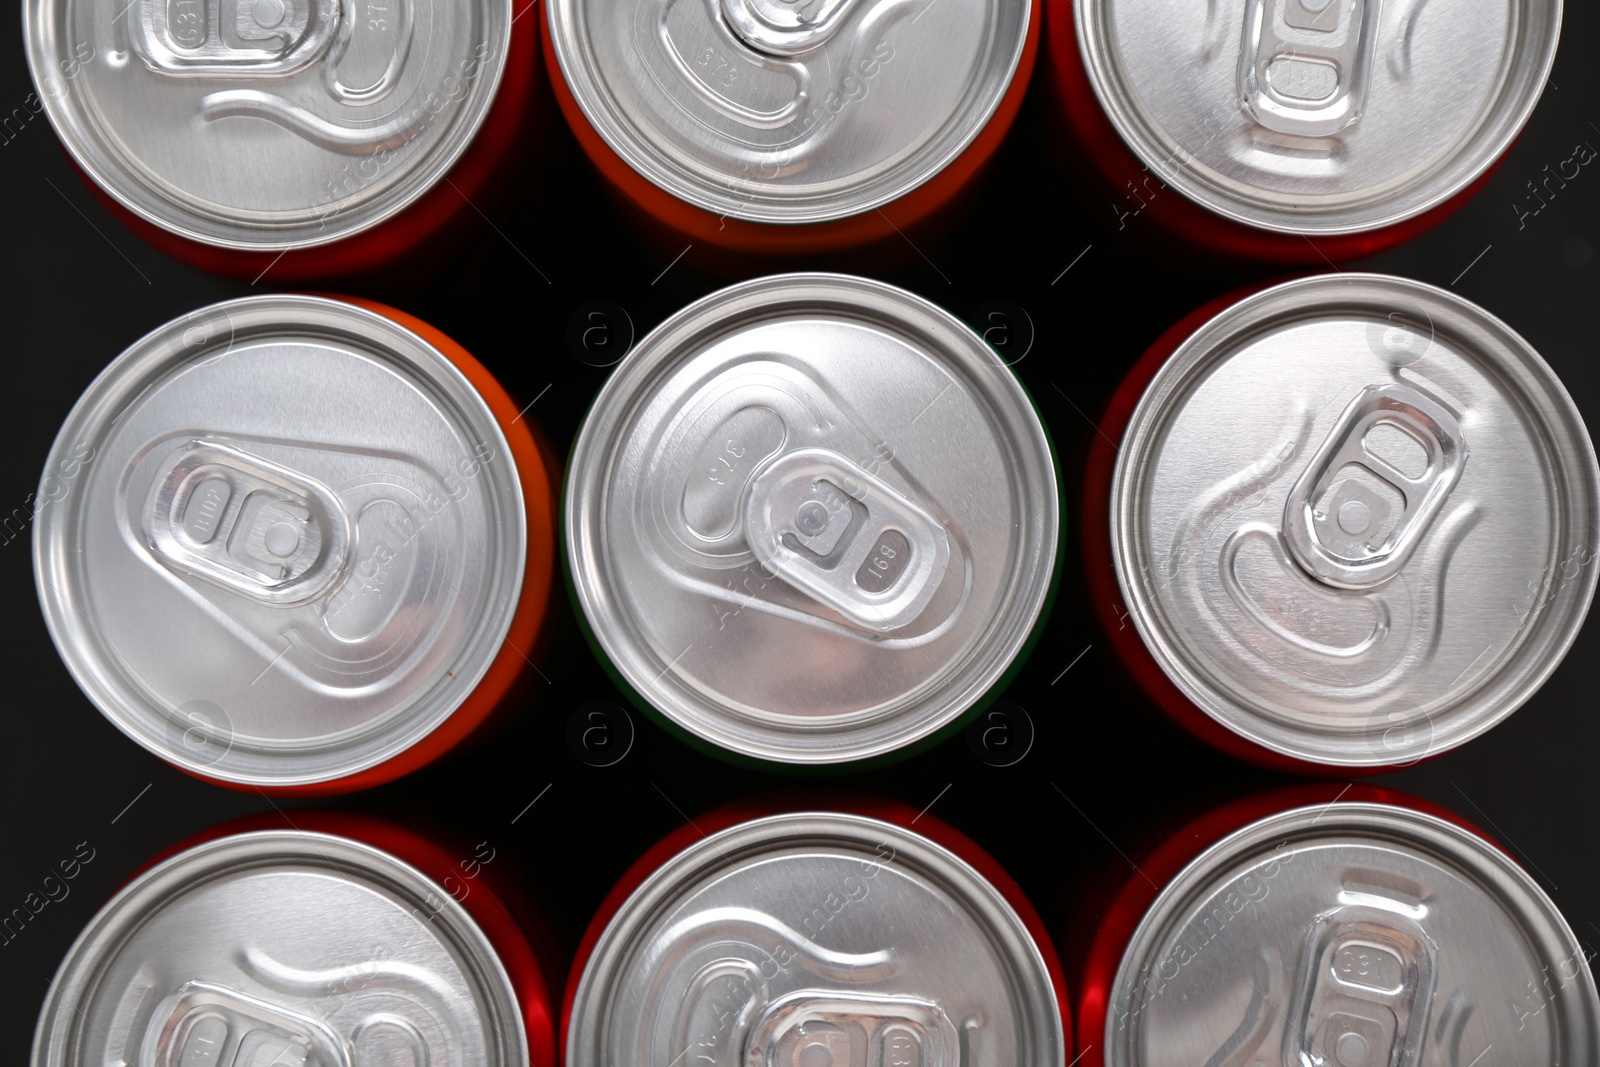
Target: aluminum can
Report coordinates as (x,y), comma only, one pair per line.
(1297,130)
(295,544)
(1344,929)
(1349,524)
(761,126)
(812,518)
(816,938)
(294,139)
(345,941)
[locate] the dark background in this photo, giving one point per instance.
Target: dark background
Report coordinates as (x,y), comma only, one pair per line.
(76,289)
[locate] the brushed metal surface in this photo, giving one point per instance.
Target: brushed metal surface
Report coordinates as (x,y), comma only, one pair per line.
(186,637)
(659,520)
(1489,592)
(285,948)
(814,939)
(266,124)
(1352,935)
(787,113)
(1318,118)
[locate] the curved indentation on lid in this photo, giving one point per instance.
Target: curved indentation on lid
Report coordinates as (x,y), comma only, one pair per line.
(730,454)
(1265,583)
(1496,581)
(308,125)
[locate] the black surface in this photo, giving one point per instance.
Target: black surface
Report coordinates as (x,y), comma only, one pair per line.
(76,289)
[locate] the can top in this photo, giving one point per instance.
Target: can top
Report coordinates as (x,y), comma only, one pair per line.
(1352,935)
(1318,117)
(768,111)
(280,541)
(813,939)
(270,124)
(281,947)
(812,518)
(1352,517)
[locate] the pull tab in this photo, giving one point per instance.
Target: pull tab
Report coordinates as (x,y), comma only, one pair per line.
(1303,67)
(820,1029)
(232,37)
(249,525)
(785,27)
(202,1025)
(1354,517)
(845,538)
(1365,988)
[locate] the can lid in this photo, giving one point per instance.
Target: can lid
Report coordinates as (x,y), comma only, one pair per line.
(1318,117)
(810,940)
(281,947)
(1352,517)
(1352,935)
(812,518)
(280,541)
(769,111)
(266,124)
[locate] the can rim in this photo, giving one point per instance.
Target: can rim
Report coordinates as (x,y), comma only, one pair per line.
(122,916)
(661,353)
(1157,151)
(1522,900)
(122,384)
(1502,350)
(725,849)
(632,144)
(77,141)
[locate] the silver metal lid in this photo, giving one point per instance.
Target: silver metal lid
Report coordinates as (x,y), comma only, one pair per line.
(812,518)
(1318,117)
(282,539)
(1352,935)
(816,940)
(281,947)
(771,111)
(266,124)
(1352,517)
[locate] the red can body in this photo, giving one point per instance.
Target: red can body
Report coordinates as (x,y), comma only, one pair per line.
(1105,926)
(1104,590)
(924,210)
(508,918)
(417,241)
(848,803)
(1133,194)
